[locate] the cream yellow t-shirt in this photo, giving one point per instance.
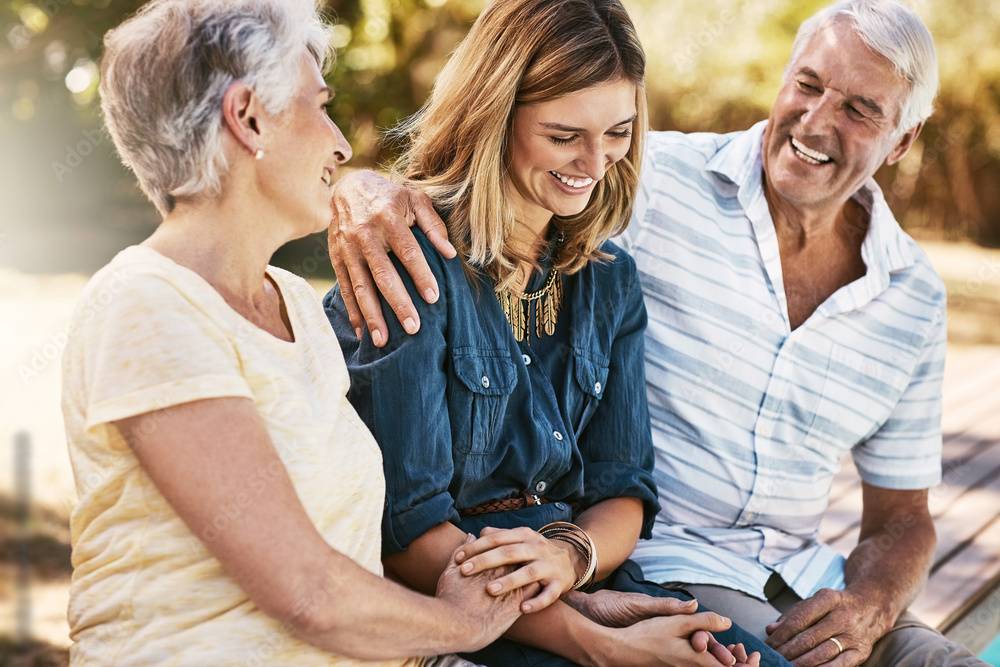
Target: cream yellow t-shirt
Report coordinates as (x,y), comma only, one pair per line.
(148,334)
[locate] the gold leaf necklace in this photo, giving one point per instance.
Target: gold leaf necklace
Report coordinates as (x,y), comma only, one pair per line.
(517,307)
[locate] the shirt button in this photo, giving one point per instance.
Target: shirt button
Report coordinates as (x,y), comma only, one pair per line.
(486,382)
(540,487)
(527,359)
(561,506)
(557,435)
(598,387)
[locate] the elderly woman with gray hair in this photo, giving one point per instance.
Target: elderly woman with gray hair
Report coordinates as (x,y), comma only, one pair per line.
(230,497)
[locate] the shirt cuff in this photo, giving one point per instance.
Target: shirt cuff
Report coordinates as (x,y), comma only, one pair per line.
(614,479)
(403,527)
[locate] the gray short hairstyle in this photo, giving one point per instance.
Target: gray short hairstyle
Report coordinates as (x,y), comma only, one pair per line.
(165,71)
(894,31)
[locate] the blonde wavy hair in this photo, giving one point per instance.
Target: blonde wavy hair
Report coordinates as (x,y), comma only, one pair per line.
(457,147)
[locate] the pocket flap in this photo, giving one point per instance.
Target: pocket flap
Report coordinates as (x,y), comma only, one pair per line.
(485,374)
(591,376)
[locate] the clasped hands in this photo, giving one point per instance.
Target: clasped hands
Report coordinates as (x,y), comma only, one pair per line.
(651,630)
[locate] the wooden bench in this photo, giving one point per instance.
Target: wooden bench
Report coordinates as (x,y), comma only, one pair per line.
(962,597)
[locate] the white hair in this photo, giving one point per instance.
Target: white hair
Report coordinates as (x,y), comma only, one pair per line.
(165,71)
(894,31)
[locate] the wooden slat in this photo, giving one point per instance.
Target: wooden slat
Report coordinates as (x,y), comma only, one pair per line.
(972,381)
(957,587)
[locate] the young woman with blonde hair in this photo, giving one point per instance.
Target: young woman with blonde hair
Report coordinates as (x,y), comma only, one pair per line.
(518,412)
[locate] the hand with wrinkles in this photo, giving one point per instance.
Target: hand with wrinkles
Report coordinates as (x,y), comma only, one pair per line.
(803,633)
(372,215)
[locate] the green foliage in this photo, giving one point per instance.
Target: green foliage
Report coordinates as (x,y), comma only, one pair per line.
(714,65)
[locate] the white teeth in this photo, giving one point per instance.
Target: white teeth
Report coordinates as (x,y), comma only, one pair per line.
(813,156)
(573,182)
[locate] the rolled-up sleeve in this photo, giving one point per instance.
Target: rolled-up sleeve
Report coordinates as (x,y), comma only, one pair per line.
(399,392)
(617,444)
(905,452)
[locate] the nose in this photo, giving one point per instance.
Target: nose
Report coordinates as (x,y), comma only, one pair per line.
(819,115)
(594,161)
(342,150)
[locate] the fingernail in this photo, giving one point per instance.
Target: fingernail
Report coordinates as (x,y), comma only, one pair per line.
(494,587)
(460,556)
(377,337)
(526,608)
(410,325)
(688,603)
(357,332)
(430,295)
(467,567)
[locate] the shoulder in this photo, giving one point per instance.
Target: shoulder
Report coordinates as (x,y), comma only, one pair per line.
(690,149)
(923,275)
(137,280)
(618,273)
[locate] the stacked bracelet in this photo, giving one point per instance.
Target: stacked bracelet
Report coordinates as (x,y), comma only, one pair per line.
(580,540)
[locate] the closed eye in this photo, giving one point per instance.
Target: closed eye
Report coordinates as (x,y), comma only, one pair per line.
(855,113)
(809,88)
(564,140)
(621,134)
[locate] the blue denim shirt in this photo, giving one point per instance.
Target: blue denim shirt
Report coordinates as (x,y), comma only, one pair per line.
(465,414)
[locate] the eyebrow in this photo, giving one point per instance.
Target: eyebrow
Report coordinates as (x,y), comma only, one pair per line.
(570,128)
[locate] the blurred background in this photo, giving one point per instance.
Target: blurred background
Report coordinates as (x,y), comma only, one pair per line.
(67,206)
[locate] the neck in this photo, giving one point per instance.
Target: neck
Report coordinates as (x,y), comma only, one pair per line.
(800,225)
(228,241)
(530,229)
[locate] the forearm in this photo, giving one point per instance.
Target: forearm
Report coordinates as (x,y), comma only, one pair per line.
(614,525)
(562,630)
(891,562)
(355,613)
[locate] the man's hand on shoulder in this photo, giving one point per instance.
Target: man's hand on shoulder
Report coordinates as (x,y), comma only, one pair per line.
(371,216)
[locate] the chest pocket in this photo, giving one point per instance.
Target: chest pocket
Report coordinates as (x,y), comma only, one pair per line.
(486,381)
(591,379)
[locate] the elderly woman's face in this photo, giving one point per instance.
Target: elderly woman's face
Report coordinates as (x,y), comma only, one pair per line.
(563,147)
(302,150)
(833,123)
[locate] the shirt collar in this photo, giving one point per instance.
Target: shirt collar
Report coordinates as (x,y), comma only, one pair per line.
(885,248)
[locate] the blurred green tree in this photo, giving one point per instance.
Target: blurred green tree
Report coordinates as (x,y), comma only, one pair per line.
(714,65)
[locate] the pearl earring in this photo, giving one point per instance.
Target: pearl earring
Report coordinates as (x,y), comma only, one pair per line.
(259,154)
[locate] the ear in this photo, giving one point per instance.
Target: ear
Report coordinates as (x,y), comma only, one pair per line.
(240,112)
(903,145)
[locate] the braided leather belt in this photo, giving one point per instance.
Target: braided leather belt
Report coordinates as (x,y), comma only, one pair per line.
(505,504)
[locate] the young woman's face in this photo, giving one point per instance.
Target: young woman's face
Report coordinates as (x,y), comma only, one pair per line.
(560,149)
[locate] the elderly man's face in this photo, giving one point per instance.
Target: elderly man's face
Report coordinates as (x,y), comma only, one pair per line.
(833,123)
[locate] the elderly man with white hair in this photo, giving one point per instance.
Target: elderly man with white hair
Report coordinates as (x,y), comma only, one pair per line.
(791,321)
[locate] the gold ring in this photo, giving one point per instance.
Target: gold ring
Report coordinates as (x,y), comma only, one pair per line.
(840,647)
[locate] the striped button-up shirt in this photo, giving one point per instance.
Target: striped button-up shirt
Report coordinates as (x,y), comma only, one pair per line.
(751,419)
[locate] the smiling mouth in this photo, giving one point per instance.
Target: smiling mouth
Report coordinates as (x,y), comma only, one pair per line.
(574,182)
(807,154)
